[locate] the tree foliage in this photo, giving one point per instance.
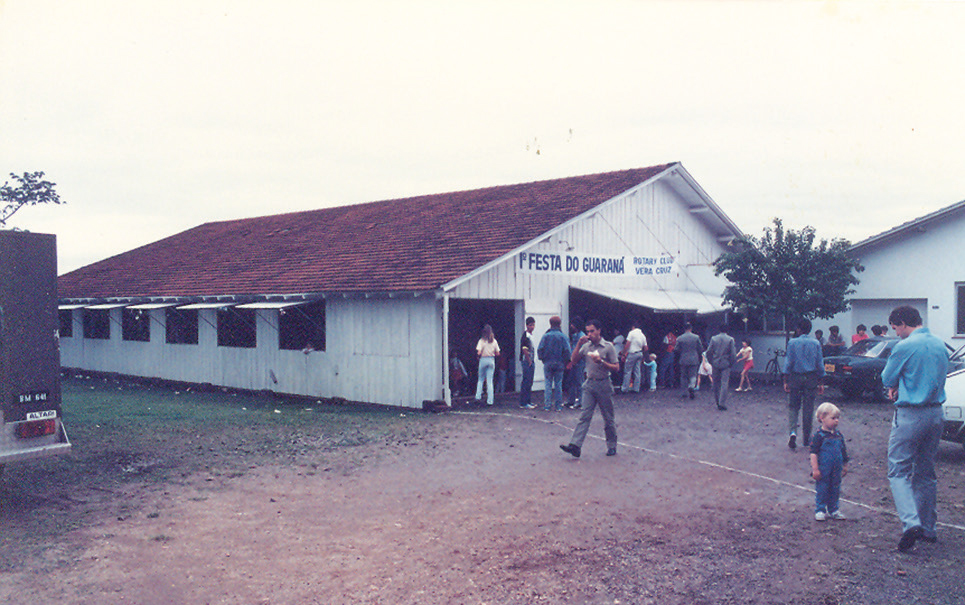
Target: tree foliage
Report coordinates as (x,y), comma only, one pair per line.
(788,273)
(27,190)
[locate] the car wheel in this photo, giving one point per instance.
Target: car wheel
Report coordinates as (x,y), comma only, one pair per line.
(878,391)
(850,390)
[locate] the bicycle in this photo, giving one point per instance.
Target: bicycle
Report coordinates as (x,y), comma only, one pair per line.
(772,371)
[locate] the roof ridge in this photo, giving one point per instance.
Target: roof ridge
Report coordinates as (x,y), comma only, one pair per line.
(925,218)
(412,243)
(657,167)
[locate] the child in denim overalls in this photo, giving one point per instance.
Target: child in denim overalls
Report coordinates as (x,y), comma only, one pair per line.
(829,462)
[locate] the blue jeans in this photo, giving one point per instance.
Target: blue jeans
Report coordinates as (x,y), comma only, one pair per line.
(487,367)
(553,389)
(912,447)
(666,370)
(631,371)
(526,385)
(803,388)
(574,391)
(828,488)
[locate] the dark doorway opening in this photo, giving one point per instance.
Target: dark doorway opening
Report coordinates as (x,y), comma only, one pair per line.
(618,315)
(466,320)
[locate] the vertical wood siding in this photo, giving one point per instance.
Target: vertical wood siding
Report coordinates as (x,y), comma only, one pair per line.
(385,351)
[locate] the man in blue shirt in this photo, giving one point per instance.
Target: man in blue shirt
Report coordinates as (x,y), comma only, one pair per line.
(915,378)
(803,371)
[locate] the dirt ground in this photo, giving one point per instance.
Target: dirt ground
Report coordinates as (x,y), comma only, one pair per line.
(481,506)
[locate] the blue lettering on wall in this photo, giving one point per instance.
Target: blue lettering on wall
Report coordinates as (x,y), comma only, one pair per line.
(535,261)
(552,262)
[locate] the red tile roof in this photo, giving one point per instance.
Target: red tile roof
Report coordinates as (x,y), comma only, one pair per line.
(411,244)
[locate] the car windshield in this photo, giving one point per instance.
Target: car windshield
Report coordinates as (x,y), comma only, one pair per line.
(868,348)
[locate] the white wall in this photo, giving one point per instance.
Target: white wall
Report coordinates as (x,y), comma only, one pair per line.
(919,268)
(377,350)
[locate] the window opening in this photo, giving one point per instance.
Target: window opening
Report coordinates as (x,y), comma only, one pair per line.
(136,325)
(181,326)
(66,329)
(301,327)
(97,324)
(236,328)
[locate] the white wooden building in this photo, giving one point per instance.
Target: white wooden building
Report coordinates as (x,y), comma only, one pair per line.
(917,264)
(364,302)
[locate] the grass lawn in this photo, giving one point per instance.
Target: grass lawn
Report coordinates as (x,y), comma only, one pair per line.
(127,434)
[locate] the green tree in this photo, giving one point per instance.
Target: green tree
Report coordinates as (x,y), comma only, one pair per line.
(27,190)
(789,273)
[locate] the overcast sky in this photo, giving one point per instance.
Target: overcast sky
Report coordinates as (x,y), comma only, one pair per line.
(156,116)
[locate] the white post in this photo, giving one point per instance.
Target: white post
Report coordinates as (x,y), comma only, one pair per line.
(447,394)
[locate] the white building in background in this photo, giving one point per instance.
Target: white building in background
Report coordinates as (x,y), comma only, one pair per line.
(915,264)
(363,302)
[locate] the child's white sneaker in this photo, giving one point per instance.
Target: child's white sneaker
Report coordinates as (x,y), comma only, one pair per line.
(821,516)
(838,516)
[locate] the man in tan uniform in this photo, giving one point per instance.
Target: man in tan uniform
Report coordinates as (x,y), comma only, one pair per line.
(601,359)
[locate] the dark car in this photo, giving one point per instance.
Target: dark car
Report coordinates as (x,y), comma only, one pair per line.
(858,370)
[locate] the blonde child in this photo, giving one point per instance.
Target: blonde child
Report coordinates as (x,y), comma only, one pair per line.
(829,462)
(651,365)
(746,354)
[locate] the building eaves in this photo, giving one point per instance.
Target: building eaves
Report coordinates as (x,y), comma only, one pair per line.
(918,224)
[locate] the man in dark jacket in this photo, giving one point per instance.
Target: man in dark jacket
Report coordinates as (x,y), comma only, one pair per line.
(554,351)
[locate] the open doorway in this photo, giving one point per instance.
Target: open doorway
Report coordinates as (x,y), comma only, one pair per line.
(618,315)
(466,320)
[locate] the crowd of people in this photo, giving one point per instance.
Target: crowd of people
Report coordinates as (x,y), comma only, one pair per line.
(589,369)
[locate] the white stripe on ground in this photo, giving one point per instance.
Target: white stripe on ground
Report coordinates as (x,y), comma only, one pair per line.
(803,488)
